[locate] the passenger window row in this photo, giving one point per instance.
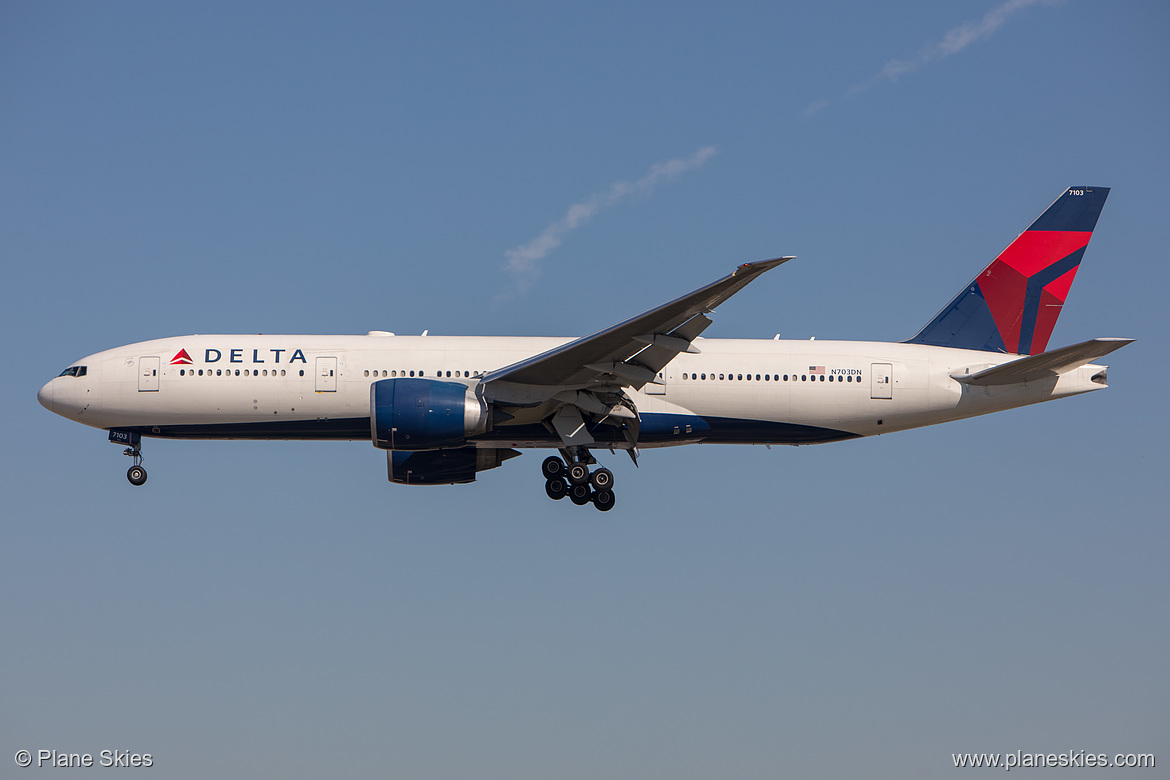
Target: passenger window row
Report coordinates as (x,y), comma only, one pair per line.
(229,372)
(772,377)
(80,371)
(468,374)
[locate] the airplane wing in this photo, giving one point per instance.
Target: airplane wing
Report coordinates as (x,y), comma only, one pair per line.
(632,353)
(1046,364)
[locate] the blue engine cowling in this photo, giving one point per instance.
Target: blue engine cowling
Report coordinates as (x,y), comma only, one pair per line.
(424,414)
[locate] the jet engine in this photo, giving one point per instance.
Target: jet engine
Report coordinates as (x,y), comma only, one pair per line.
(443,467)
(424,414)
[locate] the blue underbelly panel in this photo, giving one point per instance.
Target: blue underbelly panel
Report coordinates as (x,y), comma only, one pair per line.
(656,429)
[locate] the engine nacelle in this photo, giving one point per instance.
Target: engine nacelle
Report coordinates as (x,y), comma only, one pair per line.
(424,414)
(443,467)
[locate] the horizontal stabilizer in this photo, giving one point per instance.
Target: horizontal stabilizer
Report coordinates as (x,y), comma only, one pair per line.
(1044,365)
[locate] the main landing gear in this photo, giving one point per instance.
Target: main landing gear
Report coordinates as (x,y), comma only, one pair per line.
(576,481)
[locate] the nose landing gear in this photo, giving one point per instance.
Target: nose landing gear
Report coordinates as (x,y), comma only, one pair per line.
(136,474)
(576,481)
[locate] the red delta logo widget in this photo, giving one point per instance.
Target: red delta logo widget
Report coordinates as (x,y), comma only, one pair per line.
(181,358)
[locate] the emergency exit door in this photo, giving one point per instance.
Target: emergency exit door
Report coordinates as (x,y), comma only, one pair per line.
(326,375)
(148,368)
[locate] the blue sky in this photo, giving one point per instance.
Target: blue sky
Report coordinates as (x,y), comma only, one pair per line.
(280,610)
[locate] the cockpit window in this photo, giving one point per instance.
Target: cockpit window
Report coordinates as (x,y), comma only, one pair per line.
(73,371)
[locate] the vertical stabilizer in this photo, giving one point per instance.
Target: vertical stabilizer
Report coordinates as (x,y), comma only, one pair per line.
(1013,304)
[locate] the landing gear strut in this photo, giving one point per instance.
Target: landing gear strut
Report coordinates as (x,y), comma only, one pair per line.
(576,481)
(136,474)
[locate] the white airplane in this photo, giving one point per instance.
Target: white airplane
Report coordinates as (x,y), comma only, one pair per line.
(447,407)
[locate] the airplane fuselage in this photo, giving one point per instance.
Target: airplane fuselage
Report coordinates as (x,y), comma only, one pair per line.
(741,391)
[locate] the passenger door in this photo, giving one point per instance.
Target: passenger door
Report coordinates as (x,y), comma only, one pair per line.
(881,380)
(148,368)
(326,375)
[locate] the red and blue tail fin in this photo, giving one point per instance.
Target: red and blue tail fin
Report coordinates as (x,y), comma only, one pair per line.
(1013,305)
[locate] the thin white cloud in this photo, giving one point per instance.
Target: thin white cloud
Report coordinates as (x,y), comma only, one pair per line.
(523,262)
(954,41)
(815,107)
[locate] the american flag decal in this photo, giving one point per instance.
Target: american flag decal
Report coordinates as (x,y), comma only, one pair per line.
(814,370)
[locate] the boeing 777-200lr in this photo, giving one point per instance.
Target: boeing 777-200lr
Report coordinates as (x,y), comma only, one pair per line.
(448,407)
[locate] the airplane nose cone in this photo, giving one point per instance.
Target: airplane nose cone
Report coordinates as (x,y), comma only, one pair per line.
(45,396)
